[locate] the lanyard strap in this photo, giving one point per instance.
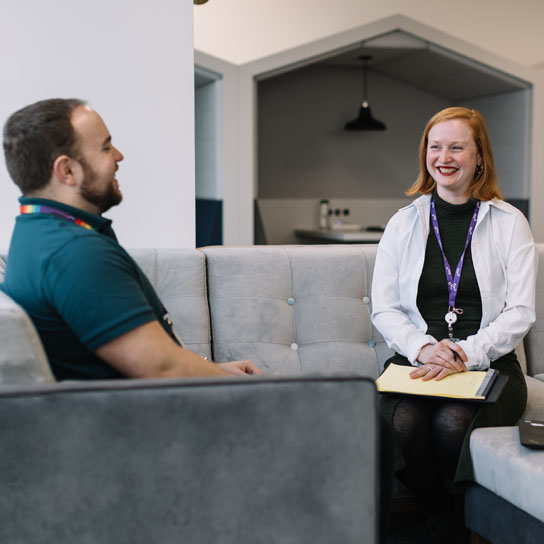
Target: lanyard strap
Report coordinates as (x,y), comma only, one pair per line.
(453,281)
(35,208)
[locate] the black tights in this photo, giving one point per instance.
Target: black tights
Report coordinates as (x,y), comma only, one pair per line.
(431,433)
(386,475)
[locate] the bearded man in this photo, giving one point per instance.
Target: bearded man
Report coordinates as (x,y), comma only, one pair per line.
(95,310)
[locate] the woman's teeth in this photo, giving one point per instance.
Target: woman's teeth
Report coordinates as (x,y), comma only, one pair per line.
(444,170)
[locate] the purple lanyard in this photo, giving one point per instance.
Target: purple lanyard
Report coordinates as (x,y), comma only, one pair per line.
(453,281)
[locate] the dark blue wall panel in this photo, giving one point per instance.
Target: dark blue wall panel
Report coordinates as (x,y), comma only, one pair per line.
(209,222)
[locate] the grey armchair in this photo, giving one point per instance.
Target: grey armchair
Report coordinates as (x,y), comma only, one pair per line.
(196,461)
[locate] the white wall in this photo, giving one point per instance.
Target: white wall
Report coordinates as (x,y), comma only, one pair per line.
(512,30)
(133,61)
(507,117)
(304,151)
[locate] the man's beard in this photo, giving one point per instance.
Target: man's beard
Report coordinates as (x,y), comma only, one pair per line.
(102,199)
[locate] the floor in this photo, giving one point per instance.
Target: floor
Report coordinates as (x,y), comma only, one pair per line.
(405,528)
(407,524)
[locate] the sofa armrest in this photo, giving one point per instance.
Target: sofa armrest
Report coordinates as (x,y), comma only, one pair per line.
(259,460)
(22,357)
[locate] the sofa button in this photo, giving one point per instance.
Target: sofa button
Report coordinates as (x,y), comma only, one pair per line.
(371,343)
(366,300)
(294,346)
(291,301)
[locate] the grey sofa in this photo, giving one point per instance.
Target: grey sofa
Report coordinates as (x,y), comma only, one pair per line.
(507,503)
(278,459)
(295,311)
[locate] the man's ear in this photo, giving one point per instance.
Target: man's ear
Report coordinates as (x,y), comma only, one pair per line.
(64,168)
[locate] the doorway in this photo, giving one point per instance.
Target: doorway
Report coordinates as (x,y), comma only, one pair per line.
(208,186)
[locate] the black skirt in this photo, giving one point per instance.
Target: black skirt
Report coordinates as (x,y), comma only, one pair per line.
(505,412)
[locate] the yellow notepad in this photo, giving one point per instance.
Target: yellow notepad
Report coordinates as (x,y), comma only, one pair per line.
(463,385)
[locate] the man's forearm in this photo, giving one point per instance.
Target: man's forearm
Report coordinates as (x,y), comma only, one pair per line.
(148,352)
(184,362)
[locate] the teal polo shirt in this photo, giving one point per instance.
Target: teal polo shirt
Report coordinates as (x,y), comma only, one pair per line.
(79,286)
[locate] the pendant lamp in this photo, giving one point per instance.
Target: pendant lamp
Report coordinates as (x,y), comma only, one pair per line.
(364,120)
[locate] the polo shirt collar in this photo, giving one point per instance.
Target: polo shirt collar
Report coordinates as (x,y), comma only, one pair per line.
(97,222)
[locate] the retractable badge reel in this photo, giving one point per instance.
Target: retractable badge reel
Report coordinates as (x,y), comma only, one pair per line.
(451,319)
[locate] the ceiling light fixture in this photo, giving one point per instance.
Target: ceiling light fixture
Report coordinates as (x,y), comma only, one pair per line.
(364,120)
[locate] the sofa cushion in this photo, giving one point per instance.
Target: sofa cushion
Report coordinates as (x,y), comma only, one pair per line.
(534,341)
(22,358)
(520,354)
(535,398)
(508,469)
(179,277)
(295,309)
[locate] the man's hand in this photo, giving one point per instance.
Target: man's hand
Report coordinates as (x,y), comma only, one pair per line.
(240,367)
(440,360)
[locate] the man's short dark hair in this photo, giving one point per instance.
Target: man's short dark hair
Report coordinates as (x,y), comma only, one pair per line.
(34,137)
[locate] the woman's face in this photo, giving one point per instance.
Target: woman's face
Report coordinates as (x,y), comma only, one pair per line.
(452,157)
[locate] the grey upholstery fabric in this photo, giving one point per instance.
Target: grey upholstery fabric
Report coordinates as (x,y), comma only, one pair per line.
(179,277)
(294,309)
(535,403)
(218,461)
(497,456)
(2,267)
(22,358)
(498,521)
(534,341)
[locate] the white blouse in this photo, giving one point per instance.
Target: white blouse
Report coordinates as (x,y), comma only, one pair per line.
(505,263)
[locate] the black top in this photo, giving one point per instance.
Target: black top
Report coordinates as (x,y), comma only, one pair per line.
(432,298)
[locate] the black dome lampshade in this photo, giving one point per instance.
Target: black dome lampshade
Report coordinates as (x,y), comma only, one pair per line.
(364,120)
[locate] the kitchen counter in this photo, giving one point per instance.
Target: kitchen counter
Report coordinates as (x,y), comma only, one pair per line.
(338,236)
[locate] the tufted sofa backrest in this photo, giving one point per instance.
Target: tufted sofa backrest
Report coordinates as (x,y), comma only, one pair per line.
(179,277)
(290,309)
(293,309)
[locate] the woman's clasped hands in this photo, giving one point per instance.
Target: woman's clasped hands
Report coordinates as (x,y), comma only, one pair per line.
(440,360)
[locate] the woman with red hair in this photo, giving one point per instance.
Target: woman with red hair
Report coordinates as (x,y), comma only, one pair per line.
(453,291)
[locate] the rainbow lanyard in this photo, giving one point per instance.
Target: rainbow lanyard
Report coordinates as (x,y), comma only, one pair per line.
(34,208)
